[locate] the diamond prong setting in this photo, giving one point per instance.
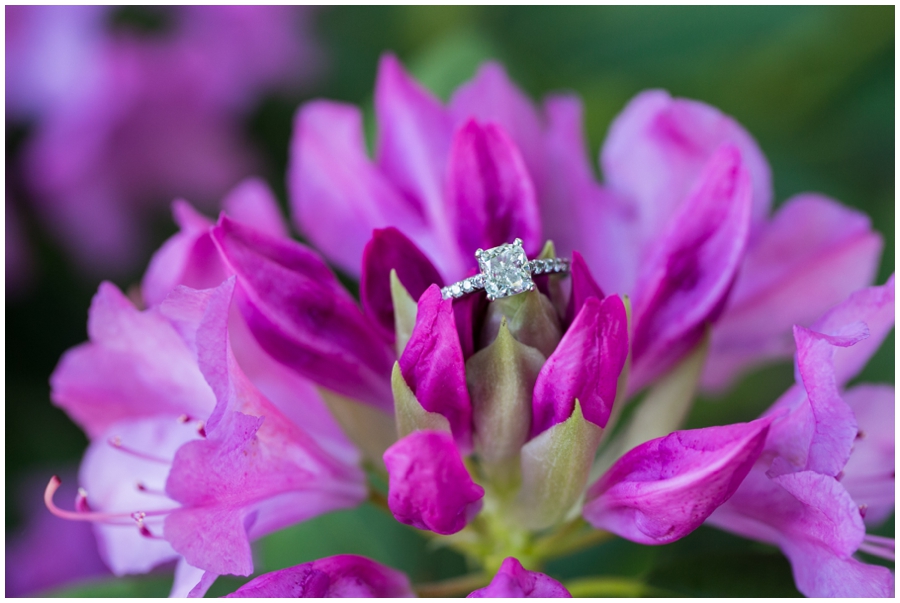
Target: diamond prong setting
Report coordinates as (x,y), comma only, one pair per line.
(505,269)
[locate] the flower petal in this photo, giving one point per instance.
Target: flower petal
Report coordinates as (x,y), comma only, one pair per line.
(129,477)
(337,195)
(818,572)
(514,581)
(433,367)
(658,147)
(414,133)
(586,365)
(301,315)
(135,365)
(869,474)
(809,258)
(491,97)
(430,488)
(684,283)
(583,287)
(576,212)
(340,576)
(662,490)
(389,249)
(253,203)
(490,191)
(873,306)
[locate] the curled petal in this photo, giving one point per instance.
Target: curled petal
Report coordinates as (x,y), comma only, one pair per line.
(515,582)
(685,282)
(490,191)
(302,317)
(586,365)
(808,258)
(430,488)
(389,249)
(662,490)
(433,367)
(873,306)
(337,195)
(657,148)
(491,97)
(340,576)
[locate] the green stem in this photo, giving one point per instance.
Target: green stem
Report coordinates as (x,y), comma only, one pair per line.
(612,587)
(576,536)
(460,585)
(379,500)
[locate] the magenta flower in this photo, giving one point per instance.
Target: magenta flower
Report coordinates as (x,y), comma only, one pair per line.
(514,581)
(811,490)
(188,459)
(492,423)
(125,121)
(687,193)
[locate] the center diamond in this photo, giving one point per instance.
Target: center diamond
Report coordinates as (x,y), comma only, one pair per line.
(505,270)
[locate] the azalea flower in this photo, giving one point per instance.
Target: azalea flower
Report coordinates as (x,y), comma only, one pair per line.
(827,469)
(123,121)
(485,418)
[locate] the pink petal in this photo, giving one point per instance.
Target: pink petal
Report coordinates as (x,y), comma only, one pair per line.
(586,365)
(659,146)
(135,365)
(514,581)
(490,97)
(685,282)
(432,365)
(873,306)
(662,490)
(301,315)
(576,212)
(808,258)
(337,195)
(869,474)
(130,477)
(583,287)
(414,133)
(430,488)
(490,191)
(390,249)
(339,576)
(253,203)
(189,258)
(818,572)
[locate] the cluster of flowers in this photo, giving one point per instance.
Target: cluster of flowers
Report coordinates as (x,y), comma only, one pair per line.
(253,389)
(121,120)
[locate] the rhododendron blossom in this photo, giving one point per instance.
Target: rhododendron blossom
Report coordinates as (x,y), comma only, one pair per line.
(254,388)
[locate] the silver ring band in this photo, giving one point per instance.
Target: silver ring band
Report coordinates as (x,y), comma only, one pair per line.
(505,271)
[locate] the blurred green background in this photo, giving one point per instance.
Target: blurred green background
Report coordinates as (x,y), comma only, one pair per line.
(814,85)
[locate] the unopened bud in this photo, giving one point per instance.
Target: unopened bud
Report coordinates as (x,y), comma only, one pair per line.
(531,319)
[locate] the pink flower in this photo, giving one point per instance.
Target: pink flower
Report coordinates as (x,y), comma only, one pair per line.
(514,581)
(188,459)
(125,122)
(819,472)
(681,221)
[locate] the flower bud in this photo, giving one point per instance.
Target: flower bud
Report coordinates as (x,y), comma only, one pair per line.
(531,319)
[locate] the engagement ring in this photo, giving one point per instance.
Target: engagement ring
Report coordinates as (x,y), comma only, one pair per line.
(505,271)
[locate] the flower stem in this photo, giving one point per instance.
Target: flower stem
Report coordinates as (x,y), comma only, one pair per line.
(575,536)
(454,586)
(612,587)
(379,500)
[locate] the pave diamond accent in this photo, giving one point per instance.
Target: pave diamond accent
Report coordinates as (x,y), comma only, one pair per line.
(505,269)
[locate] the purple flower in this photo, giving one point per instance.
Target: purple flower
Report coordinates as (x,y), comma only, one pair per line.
(332,577)
(125,122)
(188,459)
(514,581)
(812,487)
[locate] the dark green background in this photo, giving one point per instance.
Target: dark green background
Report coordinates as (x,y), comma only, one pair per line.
(814,85)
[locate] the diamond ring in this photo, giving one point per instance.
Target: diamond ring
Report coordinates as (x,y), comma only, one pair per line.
(505,271)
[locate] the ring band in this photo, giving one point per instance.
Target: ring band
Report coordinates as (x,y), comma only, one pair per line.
(505,271)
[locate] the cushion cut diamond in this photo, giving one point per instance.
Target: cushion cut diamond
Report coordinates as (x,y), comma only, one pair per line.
(505,270)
